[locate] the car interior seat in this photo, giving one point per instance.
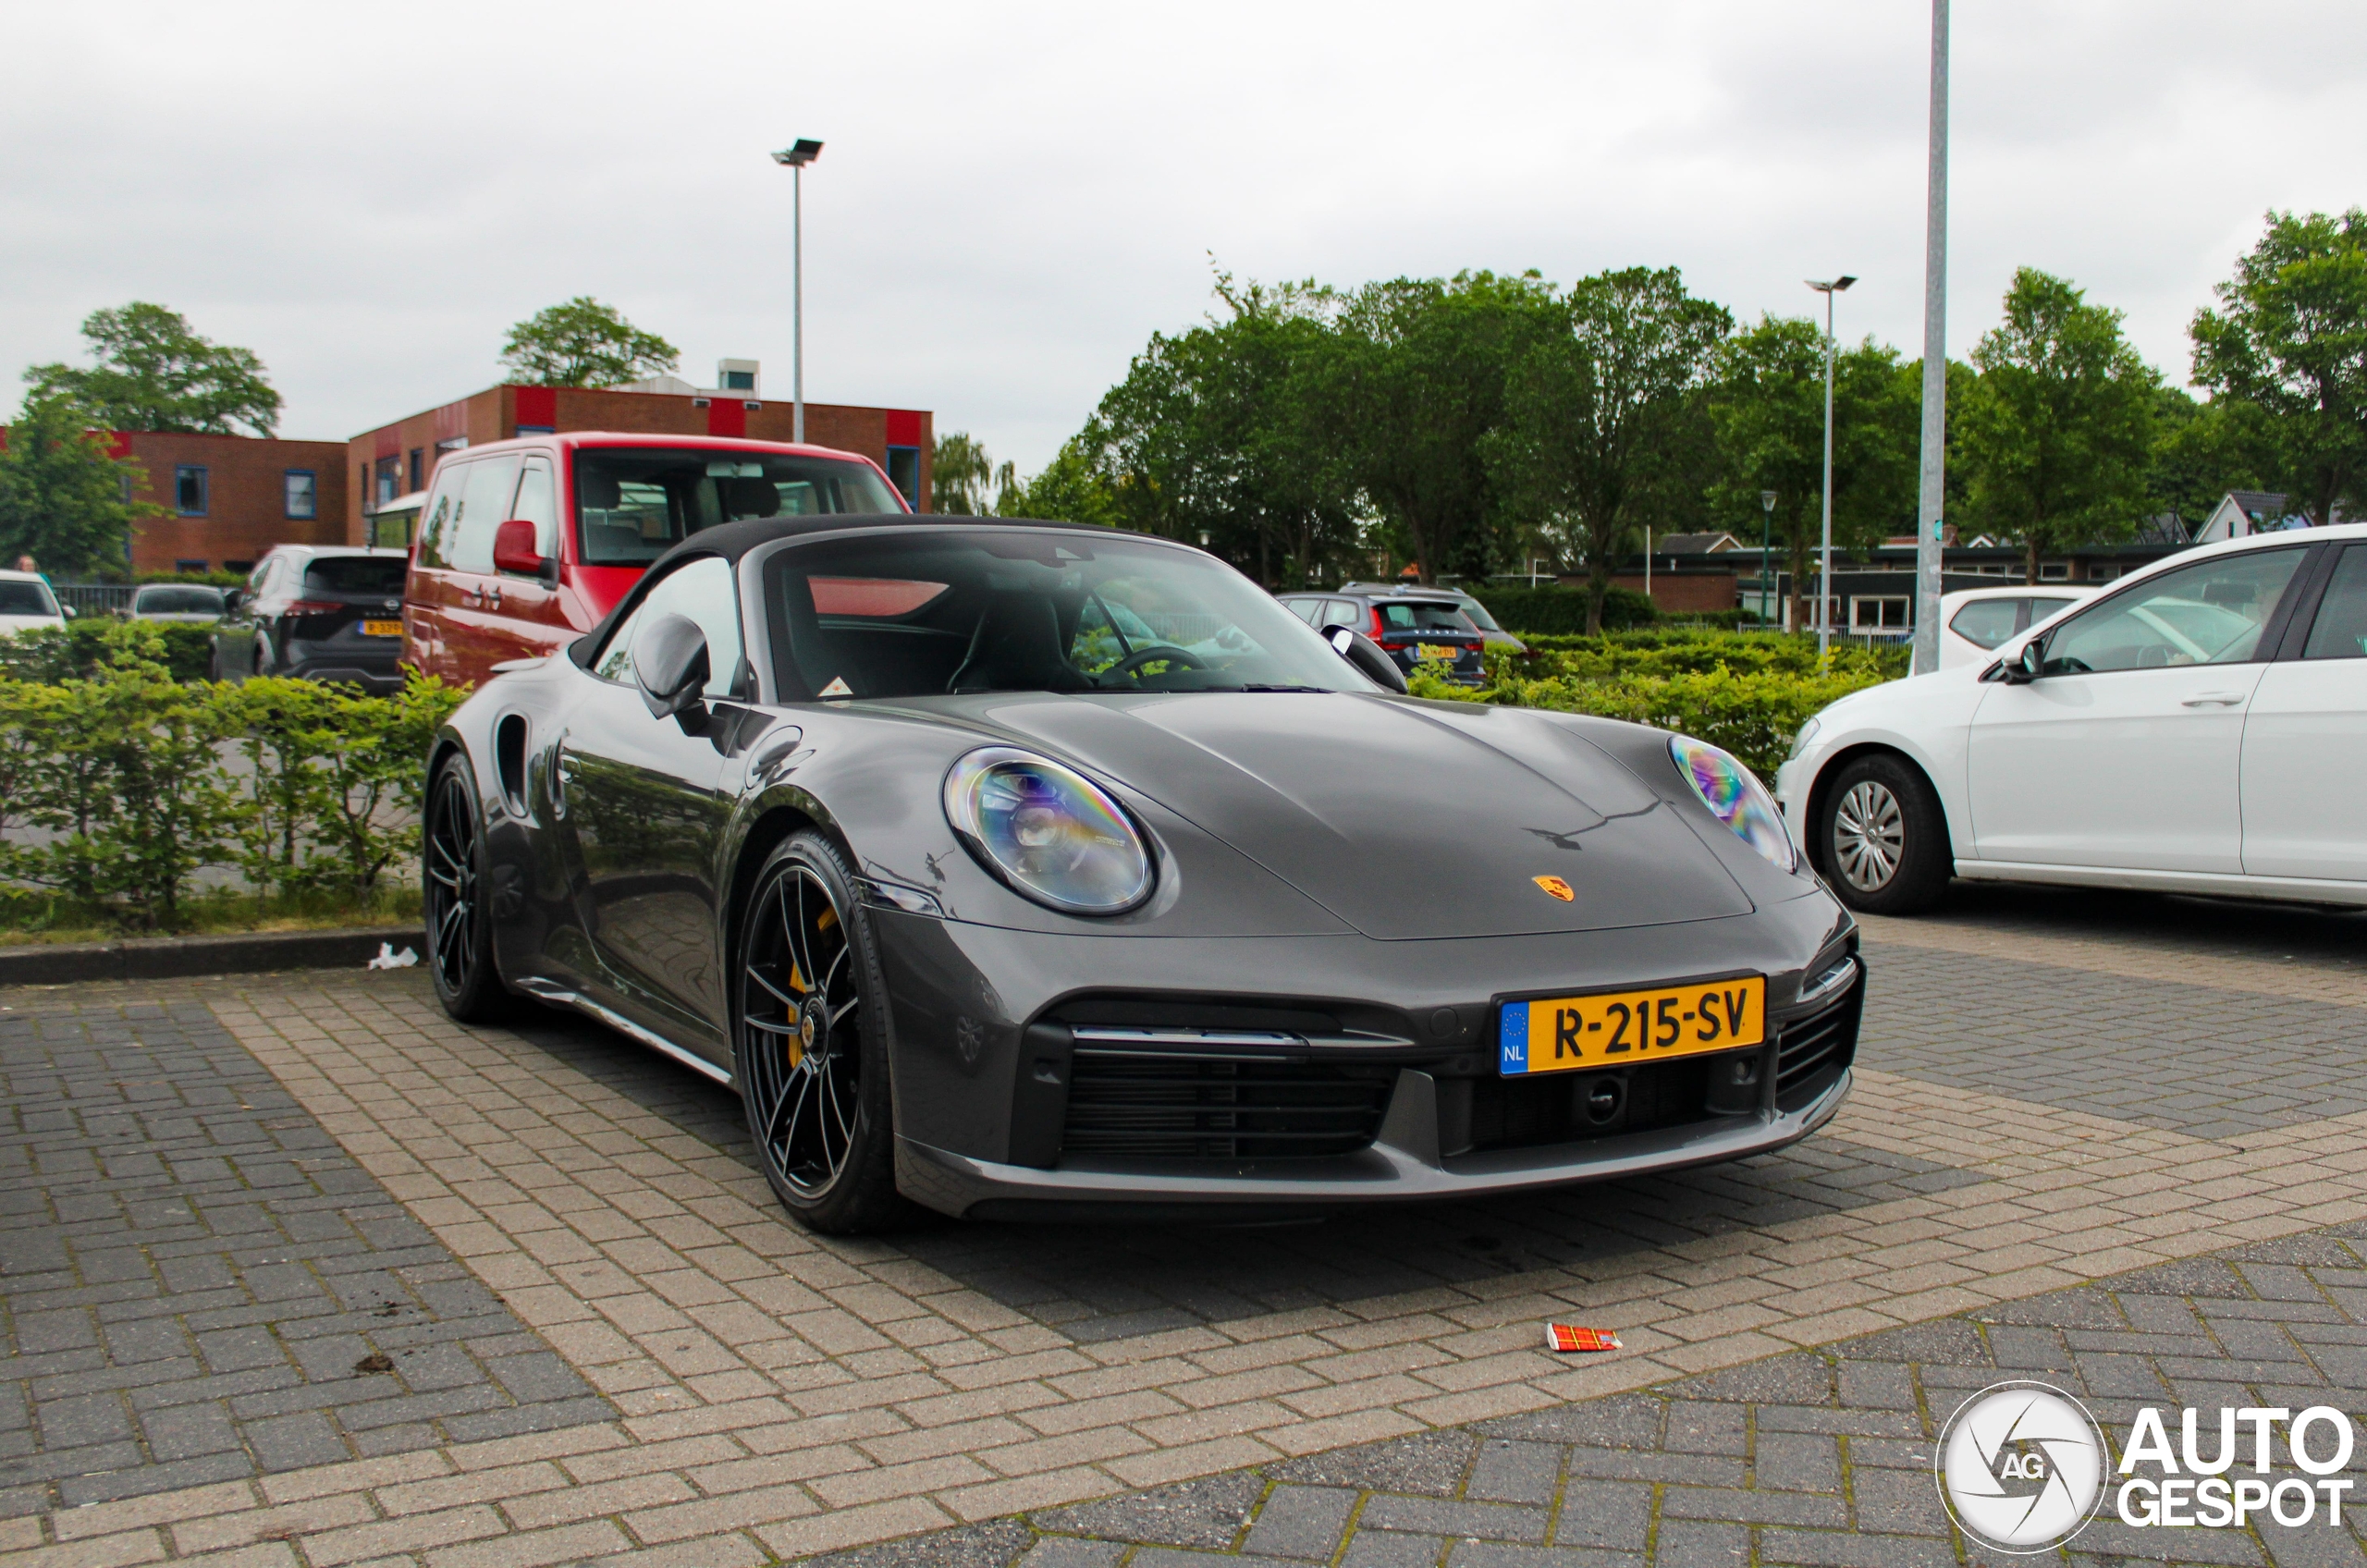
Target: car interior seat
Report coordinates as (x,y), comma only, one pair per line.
(744,498)
(1016,648)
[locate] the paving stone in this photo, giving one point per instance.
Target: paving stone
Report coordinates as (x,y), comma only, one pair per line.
(198,1267)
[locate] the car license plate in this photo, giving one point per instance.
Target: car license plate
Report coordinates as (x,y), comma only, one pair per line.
(1621,1028)
(382,628)
(1446,651)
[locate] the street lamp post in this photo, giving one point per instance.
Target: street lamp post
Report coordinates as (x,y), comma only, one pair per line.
(1824,565)
(1930,498)
(804,152)
(1766,523)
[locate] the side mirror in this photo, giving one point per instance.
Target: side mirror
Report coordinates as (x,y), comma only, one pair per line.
(2027,665)
(513,548)
(231,599)
(670,661)
(1365,654)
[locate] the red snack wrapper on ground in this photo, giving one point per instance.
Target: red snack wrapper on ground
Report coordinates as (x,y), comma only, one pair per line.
(1567,1337)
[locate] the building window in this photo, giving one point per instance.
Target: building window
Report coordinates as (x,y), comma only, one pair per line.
(390,478)
(416,454)
(303,493)
(905,472)
(239,567)
(189,566)
(2054,571)
(1886,613)
(738,381)
(2099,572)
(189,489)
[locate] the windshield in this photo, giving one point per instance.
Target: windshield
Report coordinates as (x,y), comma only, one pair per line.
(908,614)
(178,601)
(18,597)
(631,502)
(358,574)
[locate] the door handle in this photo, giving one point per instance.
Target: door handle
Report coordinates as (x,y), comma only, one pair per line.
(2213,699)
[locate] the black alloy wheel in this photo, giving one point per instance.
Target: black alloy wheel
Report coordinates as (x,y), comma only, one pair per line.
(1884,837)
(459,930)
(811,1052)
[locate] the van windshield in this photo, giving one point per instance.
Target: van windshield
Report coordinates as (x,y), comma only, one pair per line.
(632,504)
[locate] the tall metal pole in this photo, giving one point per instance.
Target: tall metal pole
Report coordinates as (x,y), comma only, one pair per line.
(797,302)
(1824,568)
(1930,495)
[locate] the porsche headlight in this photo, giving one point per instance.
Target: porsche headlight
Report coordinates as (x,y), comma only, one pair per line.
(1050,832)
(1735,796)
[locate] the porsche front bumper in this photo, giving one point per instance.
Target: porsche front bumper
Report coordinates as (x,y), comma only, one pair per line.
(1402,1163)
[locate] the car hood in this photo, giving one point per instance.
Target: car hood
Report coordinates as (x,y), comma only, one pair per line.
(1405,820)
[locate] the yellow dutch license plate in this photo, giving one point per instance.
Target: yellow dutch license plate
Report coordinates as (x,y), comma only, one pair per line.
(382,628)
(1446,651)
(1622,1028)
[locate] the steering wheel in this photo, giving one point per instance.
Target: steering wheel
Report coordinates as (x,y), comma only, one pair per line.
(1152,654)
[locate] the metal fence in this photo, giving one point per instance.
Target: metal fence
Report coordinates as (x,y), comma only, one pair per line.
(95,598)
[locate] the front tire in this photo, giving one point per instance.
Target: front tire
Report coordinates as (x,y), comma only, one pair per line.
(453,878)
(1883,838)
(809,1026)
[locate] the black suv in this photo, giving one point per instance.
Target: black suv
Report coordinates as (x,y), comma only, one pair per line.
(321,612)
(1412,626)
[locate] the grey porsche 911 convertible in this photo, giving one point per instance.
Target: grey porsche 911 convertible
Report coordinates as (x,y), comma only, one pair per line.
(1028,870)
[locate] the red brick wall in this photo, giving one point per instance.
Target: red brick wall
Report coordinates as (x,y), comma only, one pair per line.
(1683,592)
(246,511)
(493,415)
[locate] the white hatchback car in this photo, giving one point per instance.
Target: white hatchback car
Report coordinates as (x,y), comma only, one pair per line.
(26,604)
(1974,620)
(2196,728)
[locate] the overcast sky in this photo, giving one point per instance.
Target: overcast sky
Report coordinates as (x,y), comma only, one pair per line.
(1014,198)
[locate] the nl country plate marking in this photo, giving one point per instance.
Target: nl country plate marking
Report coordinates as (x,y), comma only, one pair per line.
(1622,1028)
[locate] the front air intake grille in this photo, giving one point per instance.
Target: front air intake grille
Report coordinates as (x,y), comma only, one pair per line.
(1811,1052)
(1128,1103)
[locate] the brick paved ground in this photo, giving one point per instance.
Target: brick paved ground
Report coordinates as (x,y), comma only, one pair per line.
(194,1269)
(777,1395)
(1820,1458)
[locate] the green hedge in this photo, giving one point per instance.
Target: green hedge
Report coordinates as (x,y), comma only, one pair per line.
(1522,611)
(1746,692)
(75,653)
(137,780)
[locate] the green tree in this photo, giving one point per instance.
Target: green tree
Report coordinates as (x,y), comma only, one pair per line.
(64,500)
(2202,450)
(582,343)
(1599,415)
(153,373)
(1416,380)
(2059,429)
(959,468)
(1767,403)
(1217,432)
(2291,337)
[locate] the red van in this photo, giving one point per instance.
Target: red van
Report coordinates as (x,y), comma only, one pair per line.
(524,544)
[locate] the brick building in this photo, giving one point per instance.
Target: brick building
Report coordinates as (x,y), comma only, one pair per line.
(399,459)
(225,500)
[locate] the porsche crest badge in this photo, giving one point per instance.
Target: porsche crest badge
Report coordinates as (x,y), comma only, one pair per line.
(1557,887)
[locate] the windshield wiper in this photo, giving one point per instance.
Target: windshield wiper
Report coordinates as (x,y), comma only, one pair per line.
(1263,686)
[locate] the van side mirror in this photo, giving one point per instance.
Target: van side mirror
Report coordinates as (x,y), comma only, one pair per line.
(1365,654)
(513,548)
(669,660)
